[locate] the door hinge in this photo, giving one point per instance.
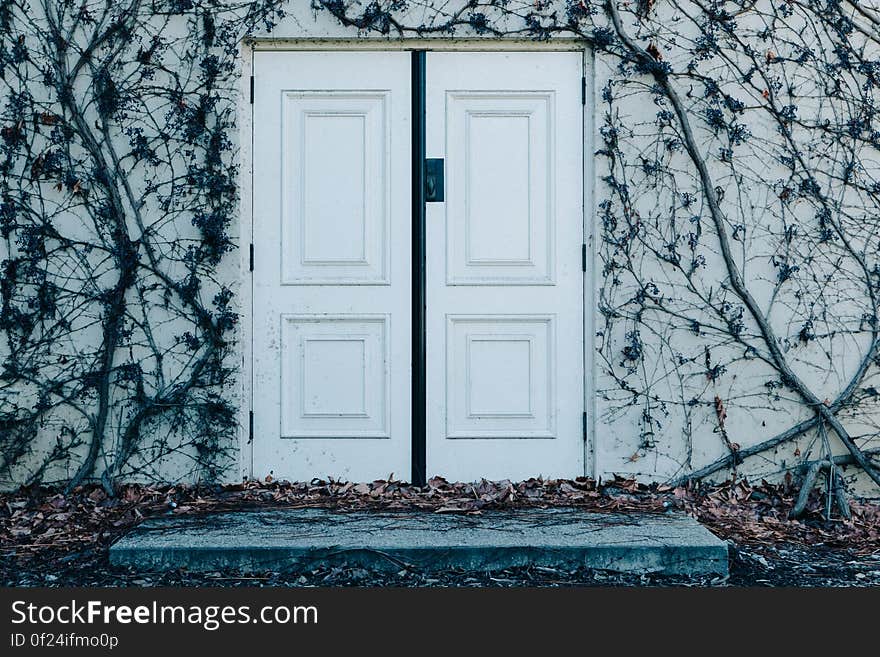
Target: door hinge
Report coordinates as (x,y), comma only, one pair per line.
(251,257)
(583,89)
(250,426)
(252,90)
(585,426)
(583,257)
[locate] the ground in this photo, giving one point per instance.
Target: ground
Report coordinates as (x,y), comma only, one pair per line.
(782,566)
(48,538)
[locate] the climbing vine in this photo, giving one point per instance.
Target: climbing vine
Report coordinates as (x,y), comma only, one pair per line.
(117,193)
(736,215)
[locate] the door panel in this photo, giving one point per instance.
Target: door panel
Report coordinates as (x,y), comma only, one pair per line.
(332,270)
(500,376)
(504,291)
(333,217)
(498,162)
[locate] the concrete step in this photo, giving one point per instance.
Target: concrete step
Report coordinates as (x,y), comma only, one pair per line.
(284,539)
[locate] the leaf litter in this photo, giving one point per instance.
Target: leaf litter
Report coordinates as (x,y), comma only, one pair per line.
(41,523)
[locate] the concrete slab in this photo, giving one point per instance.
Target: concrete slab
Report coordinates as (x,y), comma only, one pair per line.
(283,539)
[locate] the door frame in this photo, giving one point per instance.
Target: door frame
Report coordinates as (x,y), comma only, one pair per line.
(245,112)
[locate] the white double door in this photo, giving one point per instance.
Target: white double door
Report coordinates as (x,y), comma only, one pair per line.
(332,281)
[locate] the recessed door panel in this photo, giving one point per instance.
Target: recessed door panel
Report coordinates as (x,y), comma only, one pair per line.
(500,376)
(336,187)
(500,155)
(335,379)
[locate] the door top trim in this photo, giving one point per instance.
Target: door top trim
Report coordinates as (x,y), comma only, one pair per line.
(467,44)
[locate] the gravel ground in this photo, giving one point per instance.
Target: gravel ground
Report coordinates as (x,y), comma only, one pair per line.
(779,566)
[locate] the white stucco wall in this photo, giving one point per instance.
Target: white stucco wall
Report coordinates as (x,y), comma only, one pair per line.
(683,432)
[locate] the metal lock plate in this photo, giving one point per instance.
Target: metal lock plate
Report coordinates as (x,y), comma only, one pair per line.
(434,180)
